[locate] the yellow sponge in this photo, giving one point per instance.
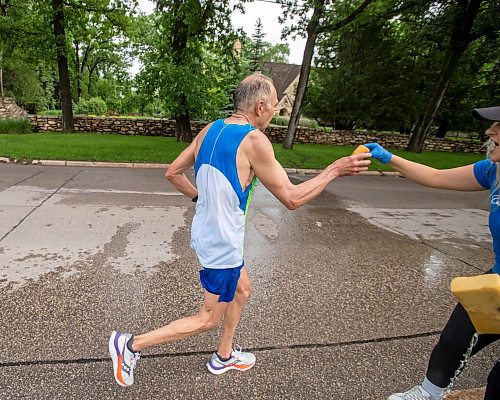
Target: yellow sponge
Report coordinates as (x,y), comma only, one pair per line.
(361,149)
(480,296)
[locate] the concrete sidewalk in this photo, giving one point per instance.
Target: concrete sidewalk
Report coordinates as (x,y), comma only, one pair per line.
(350,292)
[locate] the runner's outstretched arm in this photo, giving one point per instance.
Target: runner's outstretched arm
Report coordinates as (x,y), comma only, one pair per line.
(275,179)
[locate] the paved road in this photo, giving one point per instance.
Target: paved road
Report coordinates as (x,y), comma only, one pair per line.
(350,291)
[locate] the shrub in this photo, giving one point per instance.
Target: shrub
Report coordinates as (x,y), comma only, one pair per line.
(92,106)
(304,122)
(15,125)
(280,121)
(50,112)
(308,123)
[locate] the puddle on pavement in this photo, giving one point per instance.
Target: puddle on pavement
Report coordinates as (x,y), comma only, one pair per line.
(265,225)
(466,225)
(435,269)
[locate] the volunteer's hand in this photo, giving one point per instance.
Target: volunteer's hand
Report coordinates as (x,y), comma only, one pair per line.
(378,152)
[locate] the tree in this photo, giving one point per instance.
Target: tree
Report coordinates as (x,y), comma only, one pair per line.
(99,37)
(349,89)
(25,53)
(349,85)
(4,4)
(278,53)
(186,33)
(33,53)
(313,29)
(462,34)
(269,52)
(257,46)
(62,65)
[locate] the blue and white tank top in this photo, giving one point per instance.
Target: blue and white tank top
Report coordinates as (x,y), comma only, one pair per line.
(218,229)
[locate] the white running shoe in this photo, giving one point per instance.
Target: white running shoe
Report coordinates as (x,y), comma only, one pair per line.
(415,393)
(239,360)
(124,361)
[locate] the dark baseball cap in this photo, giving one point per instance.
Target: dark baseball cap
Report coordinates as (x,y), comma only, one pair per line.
(487,114)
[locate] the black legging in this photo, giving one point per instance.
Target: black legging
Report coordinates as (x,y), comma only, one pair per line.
(452,345)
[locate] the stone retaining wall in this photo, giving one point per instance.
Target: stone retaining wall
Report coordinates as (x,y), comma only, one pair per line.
(9,109)
(165,127)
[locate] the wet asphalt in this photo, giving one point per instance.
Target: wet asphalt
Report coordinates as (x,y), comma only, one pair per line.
(350,291)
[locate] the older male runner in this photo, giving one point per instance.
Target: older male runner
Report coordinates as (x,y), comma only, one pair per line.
(227,156)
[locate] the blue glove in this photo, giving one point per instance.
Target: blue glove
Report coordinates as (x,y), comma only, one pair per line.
(379,152)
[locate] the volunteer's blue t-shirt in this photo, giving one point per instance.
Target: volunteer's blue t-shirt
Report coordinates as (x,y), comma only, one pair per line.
(485,172)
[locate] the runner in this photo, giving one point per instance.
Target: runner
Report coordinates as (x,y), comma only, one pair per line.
(227,156)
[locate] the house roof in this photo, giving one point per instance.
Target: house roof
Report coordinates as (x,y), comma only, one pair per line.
(282,75)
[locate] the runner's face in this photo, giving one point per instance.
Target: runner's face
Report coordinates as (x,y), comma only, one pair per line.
(270,108)
(494,134)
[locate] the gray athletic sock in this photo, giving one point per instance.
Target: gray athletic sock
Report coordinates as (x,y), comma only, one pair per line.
(435,391)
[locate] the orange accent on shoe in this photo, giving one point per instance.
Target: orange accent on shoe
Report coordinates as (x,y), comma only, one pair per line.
(119,371)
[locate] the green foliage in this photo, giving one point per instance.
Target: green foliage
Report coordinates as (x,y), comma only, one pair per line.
(267,52)
(24,54)
(50,112)
(188,58)
(15,125)
(99,36)
(475,84)
(257,46)
(92,106)
(22,82)
(378,72)
(278,53)
(280,121)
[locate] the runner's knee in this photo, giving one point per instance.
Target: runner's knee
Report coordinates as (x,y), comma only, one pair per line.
(208,320)
(243,293)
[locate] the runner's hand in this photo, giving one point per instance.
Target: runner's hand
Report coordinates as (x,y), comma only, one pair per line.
(352,165)
(379,152)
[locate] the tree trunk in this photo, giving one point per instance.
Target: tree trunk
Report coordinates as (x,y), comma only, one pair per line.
(1,74)
(179,44)
(460,39)
(77,70)
(442,129)
(183,128)
(91,74)
(304,75)
(417,140)
(62,65)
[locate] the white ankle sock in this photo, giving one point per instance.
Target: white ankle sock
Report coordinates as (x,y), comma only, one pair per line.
(435,391)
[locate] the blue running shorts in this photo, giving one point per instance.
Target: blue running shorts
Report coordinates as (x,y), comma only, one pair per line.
(222,282)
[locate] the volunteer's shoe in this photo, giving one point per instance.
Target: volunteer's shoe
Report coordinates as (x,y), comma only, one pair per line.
(124,361)
(239,360)
(415,393)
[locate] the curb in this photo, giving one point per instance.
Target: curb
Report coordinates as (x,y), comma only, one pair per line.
(102,164)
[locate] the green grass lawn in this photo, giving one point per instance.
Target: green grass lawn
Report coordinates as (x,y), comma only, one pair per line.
(147,149)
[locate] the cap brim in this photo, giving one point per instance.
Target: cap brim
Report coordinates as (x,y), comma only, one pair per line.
(487,114)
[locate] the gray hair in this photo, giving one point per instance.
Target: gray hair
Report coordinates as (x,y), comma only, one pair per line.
(253,88)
